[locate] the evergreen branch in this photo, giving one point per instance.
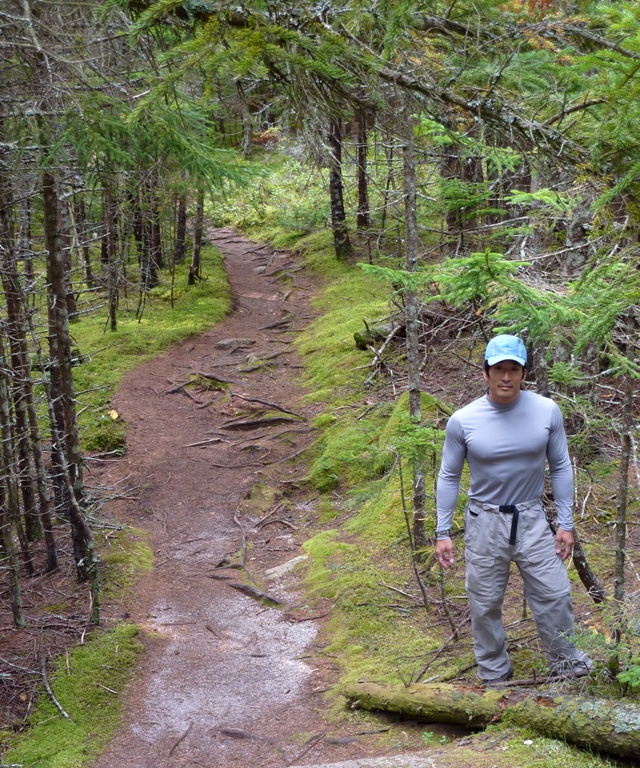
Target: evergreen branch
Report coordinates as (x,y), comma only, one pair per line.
(600,41)
(576,108)
(490,111)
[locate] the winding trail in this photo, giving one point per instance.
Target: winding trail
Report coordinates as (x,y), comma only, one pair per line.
(225,683)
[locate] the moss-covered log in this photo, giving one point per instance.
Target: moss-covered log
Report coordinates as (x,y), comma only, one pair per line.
(601,725)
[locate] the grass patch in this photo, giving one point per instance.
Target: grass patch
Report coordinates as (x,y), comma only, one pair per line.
(287,202)
(89,691)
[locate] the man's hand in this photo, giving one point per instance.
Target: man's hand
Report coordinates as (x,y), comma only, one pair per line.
(564,543)
(444,552)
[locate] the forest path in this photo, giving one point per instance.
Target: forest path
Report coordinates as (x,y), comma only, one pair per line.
(225,684)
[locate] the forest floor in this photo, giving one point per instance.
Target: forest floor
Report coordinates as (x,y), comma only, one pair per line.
(216,431)
(227,680)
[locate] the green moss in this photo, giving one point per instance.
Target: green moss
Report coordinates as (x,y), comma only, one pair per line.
(324,420)
(346,456)
(327,344)
(90,692)
(371,633)
(124,557)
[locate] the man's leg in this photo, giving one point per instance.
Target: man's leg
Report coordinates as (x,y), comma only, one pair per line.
(487,564)
(548,592)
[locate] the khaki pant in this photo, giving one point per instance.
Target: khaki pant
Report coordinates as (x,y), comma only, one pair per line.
(488,555)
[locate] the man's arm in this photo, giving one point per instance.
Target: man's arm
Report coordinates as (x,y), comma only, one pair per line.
(561,472)
(453,456)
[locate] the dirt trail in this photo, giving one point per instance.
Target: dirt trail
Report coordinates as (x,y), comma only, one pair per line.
(226,683)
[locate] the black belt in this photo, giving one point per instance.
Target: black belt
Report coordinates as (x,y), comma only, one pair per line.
(511,509)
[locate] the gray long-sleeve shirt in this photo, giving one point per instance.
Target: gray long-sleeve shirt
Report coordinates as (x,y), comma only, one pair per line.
(506,447)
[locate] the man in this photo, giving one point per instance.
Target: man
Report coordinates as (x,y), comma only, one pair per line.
(506,436)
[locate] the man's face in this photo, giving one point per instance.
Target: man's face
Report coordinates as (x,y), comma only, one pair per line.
(504,380)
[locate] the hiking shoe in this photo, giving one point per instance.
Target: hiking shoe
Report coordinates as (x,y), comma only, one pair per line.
(502,679)
(569,669)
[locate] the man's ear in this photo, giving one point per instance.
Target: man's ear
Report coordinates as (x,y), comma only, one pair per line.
(524,373)
(485,375)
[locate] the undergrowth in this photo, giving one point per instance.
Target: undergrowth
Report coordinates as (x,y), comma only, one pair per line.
(379,629)
(88,684)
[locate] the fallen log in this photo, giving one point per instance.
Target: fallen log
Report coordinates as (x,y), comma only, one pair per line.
(597,724)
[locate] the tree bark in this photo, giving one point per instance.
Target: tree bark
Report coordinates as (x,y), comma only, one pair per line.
(413,329)
(66,246)
(112,258)
(81,236)
(150,250)
(8,467)
(342,244)
(623,490)
(27,426)
(362,218)
(157,256)
(15,332)
(84,552)
(588,578)
(15,589)
(198,223)
(59,324)
(247,129)
(181,230)
(25,251)
(606,726)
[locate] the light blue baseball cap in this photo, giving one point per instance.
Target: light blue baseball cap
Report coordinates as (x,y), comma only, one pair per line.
(506,347)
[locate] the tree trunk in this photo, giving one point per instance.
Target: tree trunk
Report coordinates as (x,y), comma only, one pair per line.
(588,578)
(85,556)
(150,251)
(605,726)
(82,238)
(25,251)
(198,223)
(361,159)
(413,328)
(157,256)
(137,223)
(9,502)
(344,249)
(15,332)
(59,325)
(623,489)
(181,230)
(66,246)
(8,466)
(247,128)
(112,258)
(27,426)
